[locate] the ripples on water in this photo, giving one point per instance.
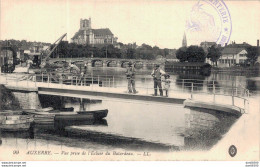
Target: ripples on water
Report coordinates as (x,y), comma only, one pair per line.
(132,126)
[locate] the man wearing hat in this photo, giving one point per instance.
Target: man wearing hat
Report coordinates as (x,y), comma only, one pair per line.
(130,75)
(157,74)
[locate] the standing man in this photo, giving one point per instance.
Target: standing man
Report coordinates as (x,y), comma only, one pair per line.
(130,75)
(85,68)
(157,74)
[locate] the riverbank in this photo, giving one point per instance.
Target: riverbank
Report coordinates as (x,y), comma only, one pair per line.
(238,70)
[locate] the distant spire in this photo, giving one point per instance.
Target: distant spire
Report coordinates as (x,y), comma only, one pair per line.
(184,40)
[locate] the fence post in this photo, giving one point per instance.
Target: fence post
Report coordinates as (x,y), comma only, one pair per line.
(192,90)
(182,84)
(214,91)
(81,80)
(48,80)
(233,102)
(76,82)
(92,82)
(113,81)
(98,79)
(109,82)
(42,77)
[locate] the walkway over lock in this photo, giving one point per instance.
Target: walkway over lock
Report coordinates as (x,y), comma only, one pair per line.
(106,87)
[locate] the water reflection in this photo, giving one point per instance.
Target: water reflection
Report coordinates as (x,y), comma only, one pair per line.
(213,86)
(185,81)
(62,102)
(147,126)
(132,126)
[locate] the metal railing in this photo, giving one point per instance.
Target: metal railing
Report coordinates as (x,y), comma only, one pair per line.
(191,87)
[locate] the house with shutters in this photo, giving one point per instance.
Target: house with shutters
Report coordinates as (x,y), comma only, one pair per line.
(233,54)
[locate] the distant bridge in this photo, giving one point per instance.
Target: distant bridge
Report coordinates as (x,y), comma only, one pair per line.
(112,62)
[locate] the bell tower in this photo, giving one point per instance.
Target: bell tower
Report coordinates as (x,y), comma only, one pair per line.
(184,40)
(85,24)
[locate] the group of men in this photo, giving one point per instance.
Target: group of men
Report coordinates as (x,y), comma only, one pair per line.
(157,74)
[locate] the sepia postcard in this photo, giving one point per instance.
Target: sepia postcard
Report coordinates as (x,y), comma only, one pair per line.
(129,80)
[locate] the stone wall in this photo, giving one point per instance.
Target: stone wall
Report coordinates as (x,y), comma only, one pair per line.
(27,100)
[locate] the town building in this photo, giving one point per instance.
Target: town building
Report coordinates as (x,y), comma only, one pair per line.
(205,45)
(233,54)
(87,35)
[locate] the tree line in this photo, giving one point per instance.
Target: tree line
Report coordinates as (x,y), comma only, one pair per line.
(122,51)
(197,54)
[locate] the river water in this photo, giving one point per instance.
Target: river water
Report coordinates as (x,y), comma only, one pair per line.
(137,125)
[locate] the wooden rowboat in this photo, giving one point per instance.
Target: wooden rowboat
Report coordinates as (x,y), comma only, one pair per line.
(50,117)
(16,122)
(82,115)
(97,114)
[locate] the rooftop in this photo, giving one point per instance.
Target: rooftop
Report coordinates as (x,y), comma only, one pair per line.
(233,50)
(101,31)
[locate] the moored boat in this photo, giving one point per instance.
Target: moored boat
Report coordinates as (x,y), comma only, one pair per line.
(16,122)
(82,115)
(50,117)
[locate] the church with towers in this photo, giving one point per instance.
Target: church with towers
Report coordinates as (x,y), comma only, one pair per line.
(94,37)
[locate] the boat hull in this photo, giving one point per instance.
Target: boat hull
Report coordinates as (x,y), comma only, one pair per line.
(16,122)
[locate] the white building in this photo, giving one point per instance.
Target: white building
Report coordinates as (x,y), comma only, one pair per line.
(232,55)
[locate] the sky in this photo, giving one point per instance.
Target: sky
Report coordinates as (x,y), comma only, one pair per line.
(154,22)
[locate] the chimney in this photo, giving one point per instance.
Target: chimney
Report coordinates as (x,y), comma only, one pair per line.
(225,44)
(257,43)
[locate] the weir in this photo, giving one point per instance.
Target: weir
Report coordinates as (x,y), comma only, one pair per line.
(99,87)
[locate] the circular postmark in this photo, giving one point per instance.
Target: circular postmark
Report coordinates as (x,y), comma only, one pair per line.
(232,151)
(210,21)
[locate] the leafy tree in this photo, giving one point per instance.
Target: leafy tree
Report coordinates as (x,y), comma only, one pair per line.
(181,54)
(214,54)
(130,53)
(195,54)
(251,55)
